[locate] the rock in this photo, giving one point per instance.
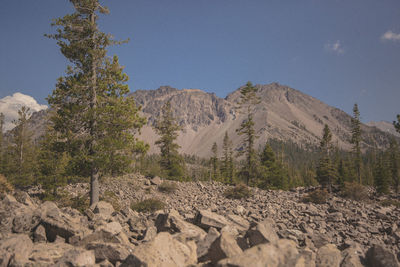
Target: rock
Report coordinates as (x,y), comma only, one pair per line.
(109,233)
(103,209)
(351,257)
(204,245)
(109,251)
(60,224)
(156,181)
(164,250)
(174,223)
(17,248)
(307,258)
(319,239)
(328,256)
(224,246)
(151,233)
(25,222)
(377,256)
(262,232)
(77,257)
(283,253)
(44,254)
(39,235)
(206,219)
(239,223)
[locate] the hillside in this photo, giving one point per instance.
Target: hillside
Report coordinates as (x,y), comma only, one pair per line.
(284,113)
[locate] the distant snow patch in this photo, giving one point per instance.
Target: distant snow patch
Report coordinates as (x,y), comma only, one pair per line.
(10,105)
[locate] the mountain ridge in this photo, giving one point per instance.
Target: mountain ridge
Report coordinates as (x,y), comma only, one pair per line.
(284,113)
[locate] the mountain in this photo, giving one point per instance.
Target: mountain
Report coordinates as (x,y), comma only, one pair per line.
(384,126)
(284,113)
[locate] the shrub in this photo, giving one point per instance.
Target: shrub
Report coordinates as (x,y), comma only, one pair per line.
(167,187)
(354,191)
(389,202)
(148,205)
(318,196)
(5,186)
(238,192)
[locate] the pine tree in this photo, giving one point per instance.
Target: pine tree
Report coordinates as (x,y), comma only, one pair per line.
(167,128)
(215,161)
(356,141)
(227,161)
(21,166)
(92,113)
(248,100)
(381,175)
(326,172)
(272,172)
(397,124)
(394,164)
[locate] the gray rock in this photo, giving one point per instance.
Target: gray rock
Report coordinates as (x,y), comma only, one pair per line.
(206,219)
(262,232)
(39,235)
(328,256)
(224,246)
(156,181)
(17,248)
(377,256)
(109,251)
(164,250)
(204,245)
(77,257)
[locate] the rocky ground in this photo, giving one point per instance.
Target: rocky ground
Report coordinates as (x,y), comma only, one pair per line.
(198,227)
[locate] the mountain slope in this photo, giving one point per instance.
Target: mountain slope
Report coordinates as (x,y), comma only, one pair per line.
(284,113)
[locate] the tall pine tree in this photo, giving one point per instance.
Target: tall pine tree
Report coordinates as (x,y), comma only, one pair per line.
(356,141)
(228,167)
(215,161)
(247,103)
(326,172)
(167,128)
(397,124)
(92,113)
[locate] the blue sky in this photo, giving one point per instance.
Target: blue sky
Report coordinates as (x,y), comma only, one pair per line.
(339,51)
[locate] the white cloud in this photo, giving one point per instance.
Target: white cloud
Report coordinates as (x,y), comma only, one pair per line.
(10,105)
(335,47)
(390,36)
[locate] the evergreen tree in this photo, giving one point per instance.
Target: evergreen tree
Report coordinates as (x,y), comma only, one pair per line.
(397,124)
(394,164)
(215,161)
(167,128)
(227,161)
(326,172)
(381,175)
(92,113)
(248,100)
(272,171)
(53,161)
(356,141)
(21,167)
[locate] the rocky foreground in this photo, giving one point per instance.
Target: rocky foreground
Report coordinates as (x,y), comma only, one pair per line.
(198,227)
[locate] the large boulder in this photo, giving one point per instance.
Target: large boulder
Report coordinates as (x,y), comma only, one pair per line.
(283,253)
(109,233)
(77,257)
(377,256)
(351,257)
(204,245)
(172,222)
(164,250)
(109,251)
(15,248)
(206,219)
(262,232)
(328,256)
(44,254)
(103,210)
(224,246)
(58,223)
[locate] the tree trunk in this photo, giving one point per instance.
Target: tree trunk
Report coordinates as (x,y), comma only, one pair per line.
(94,187)
(94,177)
